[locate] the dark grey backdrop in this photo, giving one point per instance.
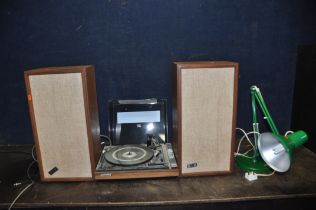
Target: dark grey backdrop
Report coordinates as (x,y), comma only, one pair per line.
(133,43)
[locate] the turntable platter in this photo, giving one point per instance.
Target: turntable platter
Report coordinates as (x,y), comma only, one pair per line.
(128,155)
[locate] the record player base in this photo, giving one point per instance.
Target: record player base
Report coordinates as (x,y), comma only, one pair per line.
(136,174)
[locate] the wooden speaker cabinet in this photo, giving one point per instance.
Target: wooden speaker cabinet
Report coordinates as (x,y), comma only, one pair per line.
(204,116)
(64,116)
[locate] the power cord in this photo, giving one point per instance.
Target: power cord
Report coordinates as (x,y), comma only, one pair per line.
(287,133)
(251,176)
(19,195)
(33,156)
(107,138)
(245,136)
(28,176)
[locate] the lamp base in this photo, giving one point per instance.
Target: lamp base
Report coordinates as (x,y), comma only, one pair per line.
(255,164)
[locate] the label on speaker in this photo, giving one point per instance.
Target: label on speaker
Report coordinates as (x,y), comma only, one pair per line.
(192,165)
(53,170)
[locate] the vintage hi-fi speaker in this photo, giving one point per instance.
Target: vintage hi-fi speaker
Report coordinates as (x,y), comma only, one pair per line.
(64,115)
(204,116)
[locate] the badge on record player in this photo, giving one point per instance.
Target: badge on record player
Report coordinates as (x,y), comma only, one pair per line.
(139,142)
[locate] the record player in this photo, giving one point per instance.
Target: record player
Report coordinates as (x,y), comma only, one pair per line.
(138,146)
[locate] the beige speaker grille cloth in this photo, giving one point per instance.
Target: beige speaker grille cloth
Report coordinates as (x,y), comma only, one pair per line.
(207,114)
(61,124)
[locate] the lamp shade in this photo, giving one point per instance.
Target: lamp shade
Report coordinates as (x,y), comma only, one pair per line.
(277,150)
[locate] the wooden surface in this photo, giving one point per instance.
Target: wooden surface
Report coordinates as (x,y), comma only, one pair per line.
(298,183)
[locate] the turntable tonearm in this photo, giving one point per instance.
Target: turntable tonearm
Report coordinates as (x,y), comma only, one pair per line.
(139,145)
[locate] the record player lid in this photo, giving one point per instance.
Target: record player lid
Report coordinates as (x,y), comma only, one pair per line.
(131,121)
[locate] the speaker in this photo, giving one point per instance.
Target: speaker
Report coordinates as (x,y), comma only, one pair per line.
(204,116)
(64,116)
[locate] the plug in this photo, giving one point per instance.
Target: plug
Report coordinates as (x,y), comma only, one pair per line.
(251,176)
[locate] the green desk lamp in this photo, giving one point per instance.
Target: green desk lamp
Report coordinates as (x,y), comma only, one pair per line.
(272,150)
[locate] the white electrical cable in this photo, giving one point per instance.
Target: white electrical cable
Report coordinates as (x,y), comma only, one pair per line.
(28,170)
(244,154)
(253,175)
(19,195)
(28,176)
(108,138)
(270,174)
(288,132)
(246,135)
(33,156)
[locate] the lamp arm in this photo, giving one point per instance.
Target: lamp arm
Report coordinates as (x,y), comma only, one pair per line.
(257,97)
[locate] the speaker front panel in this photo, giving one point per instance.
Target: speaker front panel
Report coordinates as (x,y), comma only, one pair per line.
(60,125)
(206,119)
